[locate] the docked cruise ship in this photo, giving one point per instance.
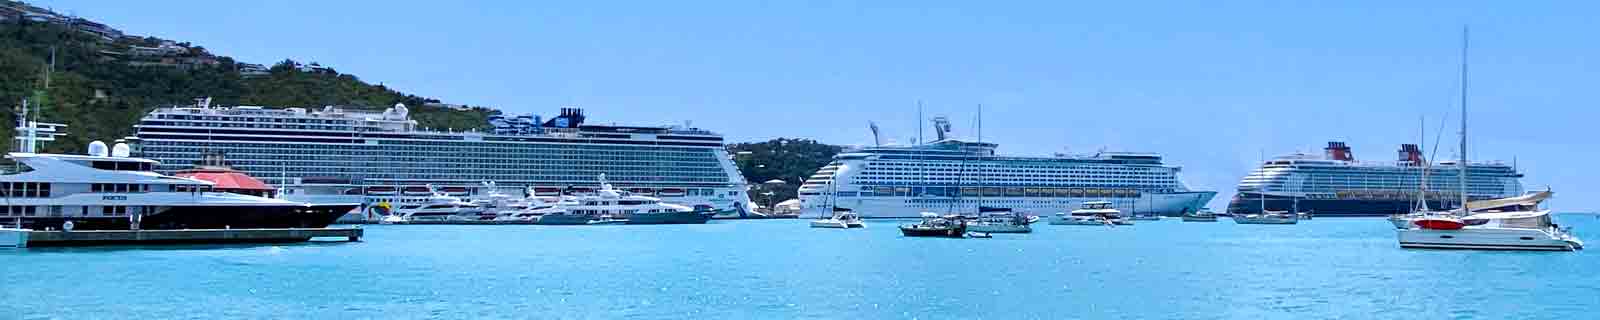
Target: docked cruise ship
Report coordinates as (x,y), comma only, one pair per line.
(1335,184)
(385,157)
(949,175)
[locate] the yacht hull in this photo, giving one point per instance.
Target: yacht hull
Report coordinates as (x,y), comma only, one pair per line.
(1249,220)
(207,217)
(564,220)
(998,228)
(829,224)
(951,232)
(1485,239)
(671,218)
(1088,222)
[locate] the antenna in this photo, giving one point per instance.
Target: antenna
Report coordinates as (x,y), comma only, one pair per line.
(876,141)
(1463,174)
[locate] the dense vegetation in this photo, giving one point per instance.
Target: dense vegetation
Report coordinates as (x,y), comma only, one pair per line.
(790,160)
(100,95)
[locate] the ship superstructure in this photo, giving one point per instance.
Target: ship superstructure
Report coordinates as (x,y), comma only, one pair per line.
(950,175)
(1336,184)
(385,157)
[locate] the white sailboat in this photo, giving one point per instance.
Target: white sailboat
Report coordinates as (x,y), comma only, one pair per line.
(1508,225)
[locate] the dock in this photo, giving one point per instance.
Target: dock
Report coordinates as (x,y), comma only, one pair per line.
(475,222)
(33,238)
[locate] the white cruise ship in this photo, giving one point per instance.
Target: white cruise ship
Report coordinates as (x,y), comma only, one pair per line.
(953,176)
(1337,185)
(385,157)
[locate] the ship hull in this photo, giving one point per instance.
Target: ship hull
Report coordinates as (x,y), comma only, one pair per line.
(207,217)
(1169,204)
(1251,203)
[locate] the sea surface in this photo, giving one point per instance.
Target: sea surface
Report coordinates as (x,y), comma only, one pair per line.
(780,269)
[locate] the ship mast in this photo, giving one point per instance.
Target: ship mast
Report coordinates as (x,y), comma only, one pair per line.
(1463,174)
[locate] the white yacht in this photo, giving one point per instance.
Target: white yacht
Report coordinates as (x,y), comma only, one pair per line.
(1001,220)
(495,203)
(1508,225)
(842,219)
(112,191)
(1093,213)
(1204,215)
(440,208)
(619,205)
(1504,224)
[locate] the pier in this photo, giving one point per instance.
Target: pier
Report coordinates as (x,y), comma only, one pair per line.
(34,238)
(474,222)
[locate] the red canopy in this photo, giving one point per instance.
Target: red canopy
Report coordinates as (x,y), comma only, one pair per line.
(227,179)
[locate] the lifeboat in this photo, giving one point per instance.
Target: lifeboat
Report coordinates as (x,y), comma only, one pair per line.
(1440,223)
(418,191)
(581,190)
(546,191)
(382,191)
(455,191)
(671,192)
(642,191)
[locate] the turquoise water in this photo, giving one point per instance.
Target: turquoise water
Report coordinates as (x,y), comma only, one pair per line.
(1321,269)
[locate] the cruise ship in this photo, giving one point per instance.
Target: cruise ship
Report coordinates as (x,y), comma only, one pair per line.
(1336,184)
(949,175)
(384,157)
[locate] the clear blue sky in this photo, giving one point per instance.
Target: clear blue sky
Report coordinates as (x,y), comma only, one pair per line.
(1210,85)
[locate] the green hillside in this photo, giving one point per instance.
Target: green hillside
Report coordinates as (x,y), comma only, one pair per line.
(99,92)
(789,160)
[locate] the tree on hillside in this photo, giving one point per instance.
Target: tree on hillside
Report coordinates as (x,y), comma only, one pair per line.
(789,160)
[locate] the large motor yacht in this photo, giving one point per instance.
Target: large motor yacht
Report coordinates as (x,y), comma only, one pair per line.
(439,208)
(635,209)
(103,191)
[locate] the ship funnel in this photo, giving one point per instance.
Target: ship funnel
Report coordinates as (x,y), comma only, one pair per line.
(120,150)
(941,128)
(97,149)
(1337,150)
(1409,153)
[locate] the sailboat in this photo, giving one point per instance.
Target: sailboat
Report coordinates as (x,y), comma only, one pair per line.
(841,218)
(1266,216)
(1503,224)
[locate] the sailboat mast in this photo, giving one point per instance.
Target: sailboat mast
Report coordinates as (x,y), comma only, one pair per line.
(982,183)
(1463,173)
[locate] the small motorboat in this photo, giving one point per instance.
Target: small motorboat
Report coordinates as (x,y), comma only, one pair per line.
(1092,213)
(979,235)
(1001,220)
(392,219)
(842,218)
(1200,216)
(1269,217)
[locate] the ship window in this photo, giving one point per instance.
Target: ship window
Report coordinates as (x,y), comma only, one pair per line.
(104,165)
